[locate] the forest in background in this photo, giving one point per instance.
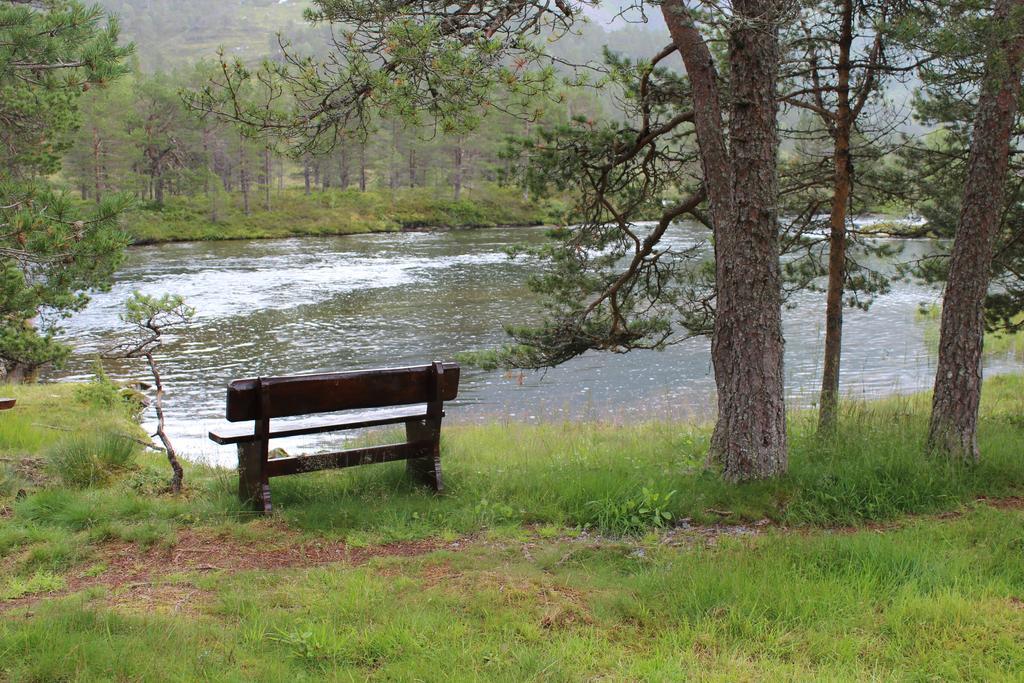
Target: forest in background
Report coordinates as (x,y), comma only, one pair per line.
(137,137)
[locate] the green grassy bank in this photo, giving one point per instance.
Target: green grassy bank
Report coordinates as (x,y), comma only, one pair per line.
(997,344)
(333,212)
(543,561)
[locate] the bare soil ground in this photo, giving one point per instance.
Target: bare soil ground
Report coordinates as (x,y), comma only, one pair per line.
(139,578)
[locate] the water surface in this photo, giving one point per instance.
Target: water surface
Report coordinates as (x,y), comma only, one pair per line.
(338,303)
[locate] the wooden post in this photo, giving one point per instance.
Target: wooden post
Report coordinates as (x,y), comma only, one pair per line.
(263,431)
(427,470)
(250,474)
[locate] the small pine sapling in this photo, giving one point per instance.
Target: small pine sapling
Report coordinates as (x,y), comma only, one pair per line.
(150,319)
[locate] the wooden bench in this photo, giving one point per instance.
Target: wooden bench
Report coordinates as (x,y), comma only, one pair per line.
(412,396)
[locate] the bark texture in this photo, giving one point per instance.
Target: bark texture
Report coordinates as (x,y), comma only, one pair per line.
(266,178)
(457,170)
(842,186)
(954,418)
(97,162)
(178,475)
(243,175)
(749,441)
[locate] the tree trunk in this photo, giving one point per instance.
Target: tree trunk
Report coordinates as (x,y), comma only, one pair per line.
(362,166)
(700,67)
(97,164)
(842,186)
(306,175)
(214,206)
(178,475)
(21,373)
(243,176)
(412,167)
(395,172)
(749,441)
(227,176)
(343,179)
(267,176)
(206,157)
(211,175)
(954,419)
(457,170)
(158,184)
(747,348)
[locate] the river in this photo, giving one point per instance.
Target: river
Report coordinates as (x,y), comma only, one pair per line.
(317,304)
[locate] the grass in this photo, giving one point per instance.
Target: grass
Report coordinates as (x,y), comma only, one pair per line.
(573,475)
(929,601)
(999,344)
(335,212)
(84,461)
(558,571)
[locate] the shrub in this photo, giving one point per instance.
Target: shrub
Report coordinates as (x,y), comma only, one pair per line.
(91,460)
(102,392)
(99,391)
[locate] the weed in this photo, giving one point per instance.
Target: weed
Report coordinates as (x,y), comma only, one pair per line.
(634,515)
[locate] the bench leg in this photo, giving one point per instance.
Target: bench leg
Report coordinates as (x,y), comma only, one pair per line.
(253,486)
(426,471)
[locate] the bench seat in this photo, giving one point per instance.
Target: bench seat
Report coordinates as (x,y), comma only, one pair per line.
(246,434)
(412,396)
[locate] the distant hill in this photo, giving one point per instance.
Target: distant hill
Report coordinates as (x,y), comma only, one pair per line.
(174,34)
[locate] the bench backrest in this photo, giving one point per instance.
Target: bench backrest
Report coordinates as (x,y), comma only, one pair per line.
(269,397)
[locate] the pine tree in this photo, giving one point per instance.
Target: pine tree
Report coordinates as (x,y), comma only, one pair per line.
(957,395)
(50,252)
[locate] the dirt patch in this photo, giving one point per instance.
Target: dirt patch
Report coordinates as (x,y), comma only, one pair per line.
(197,550)
(564,617)
(178,598)
(1014,503)
(138,578)
(434,575)
(134,575)
(33,471)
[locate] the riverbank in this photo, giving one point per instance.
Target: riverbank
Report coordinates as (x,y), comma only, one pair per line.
(543,560)
(333,212)
(1003,343)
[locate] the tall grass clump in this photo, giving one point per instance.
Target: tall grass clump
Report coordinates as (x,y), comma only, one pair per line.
(91,459)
